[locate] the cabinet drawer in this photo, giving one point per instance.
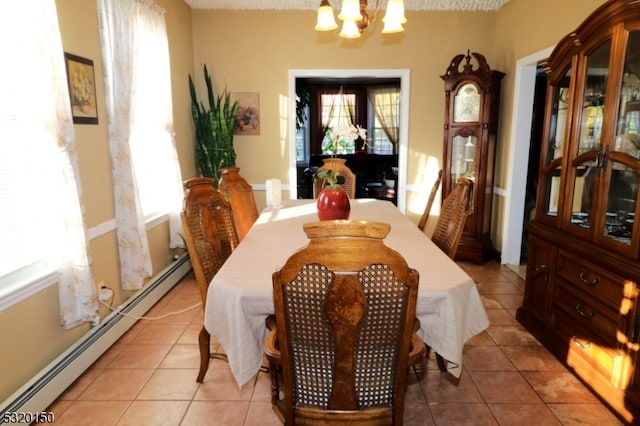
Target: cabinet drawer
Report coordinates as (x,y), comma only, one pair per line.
(582,346)
(601,284)
(589,313)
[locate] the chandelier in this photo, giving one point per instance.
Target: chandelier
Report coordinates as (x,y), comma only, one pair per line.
(355,19)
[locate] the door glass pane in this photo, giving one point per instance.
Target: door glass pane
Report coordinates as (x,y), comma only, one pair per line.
(593,100)
(628,121)
(463,154)
(621,204)
(556,134)
(558,120)
(583,194)
(552,192)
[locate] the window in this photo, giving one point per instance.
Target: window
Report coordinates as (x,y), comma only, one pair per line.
(41,223)
(371,103)
(337,109)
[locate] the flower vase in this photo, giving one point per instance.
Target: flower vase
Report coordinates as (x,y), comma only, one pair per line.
(333,203)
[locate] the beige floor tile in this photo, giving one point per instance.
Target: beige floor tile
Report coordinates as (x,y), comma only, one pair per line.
(261,414)
(159,333)
(262,389)
(140,356)
(190,335)
(504,387)
(216,413)
(439,388)
(170,384)
(532,358)
(482,339)
(417,414)
(559,387)
(109,355)
(523,415)
(497,287)
(154,413)
(584,415)
(456,414)
(511,335)
(182,356)
(96,413)
(81,384)
(219,385)
(117,385)
(501,317)
(508,301)
(486,358)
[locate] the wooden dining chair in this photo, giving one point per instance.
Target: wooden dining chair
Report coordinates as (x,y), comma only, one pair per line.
(453,217)
(240,195)
(340,169)
(345,309)
(432,197)
(210,233)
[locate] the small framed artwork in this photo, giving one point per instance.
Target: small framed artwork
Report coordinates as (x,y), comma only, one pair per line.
(82,89)
(248,118)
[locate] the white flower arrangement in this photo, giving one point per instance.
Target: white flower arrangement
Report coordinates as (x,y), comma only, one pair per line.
(341,139)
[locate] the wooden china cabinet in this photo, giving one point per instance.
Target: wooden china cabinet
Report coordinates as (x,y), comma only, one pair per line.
(583,268)
(472,97)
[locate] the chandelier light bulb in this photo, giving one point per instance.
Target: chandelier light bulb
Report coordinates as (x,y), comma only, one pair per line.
(350,29)
(326,21)
(350,11)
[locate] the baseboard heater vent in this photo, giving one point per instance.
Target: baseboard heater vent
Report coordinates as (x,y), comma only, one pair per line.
(44,388)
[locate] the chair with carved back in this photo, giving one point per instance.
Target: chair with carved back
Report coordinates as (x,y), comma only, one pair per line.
(340,169)
(240,195)
(210,234)
(344,337)
(453,218)
(432,196)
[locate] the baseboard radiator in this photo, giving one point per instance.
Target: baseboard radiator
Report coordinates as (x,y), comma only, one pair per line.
(44,388)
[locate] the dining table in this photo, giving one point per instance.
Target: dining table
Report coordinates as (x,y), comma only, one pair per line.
(240,295)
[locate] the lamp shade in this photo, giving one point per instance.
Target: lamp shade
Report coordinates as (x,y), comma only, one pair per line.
(350,10)
(350,29)
(394,17)
(326,21)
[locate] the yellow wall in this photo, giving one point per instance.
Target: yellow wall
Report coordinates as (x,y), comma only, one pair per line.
(252,52)
(257,58)
(30,330)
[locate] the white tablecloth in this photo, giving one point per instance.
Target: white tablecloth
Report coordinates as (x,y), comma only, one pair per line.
(240,296)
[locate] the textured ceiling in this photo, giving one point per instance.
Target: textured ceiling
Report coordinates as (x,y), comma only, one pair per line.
(313,4)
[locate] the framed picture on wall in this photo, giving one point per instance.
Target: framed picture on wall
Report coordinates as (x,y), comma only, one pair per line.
(82,89)
(248,118)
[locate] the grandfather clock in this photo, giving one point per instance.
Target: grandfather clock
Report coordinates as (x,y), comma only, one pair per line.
(472,97)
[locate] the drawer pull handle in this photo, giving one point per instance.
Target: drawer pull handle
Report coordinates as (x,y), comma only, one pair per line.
(583,314)
(579,344)
(585,281)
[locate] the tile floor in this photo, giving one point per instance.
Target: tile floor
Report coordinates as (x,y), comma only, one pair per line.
(508,378)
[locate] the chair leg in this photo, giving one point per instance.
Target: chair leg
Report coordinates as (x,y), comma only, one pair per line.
(204,340)
(275,385)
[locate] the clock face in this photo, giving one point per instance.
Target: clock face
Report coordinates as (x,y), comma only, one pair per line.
(466,104)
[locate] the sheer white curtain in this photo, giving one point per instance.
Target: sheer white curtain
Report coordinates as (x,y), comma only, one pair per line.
(41,210)
(386,104)
(146,173)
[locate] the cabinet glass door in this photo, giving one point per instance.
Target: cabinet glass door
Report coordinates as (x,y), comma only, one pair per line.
(623,174)
(556,133)
(587,156)
(463,158)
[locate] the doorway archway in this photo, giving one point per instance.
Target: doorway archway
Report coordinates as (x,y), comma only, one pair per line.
(403,146)
(524,86)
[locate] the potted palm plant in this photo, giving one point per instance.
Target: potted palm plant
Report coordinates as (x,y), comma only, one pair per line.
(214,129)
